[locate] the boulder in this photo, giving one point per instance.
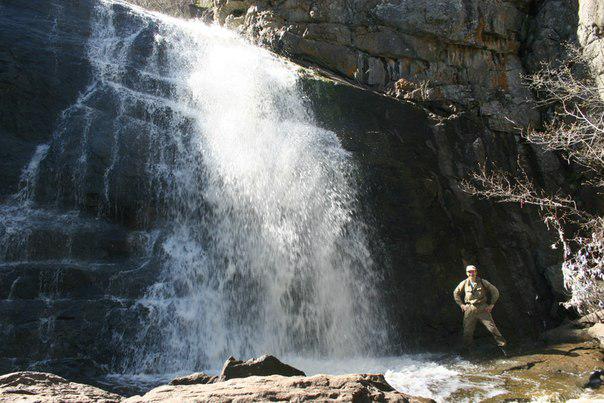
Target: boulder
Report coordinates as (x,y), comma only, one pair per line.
(566,333)
(46,387)
(595,380)
(349,388)
(196,378)
(592,318)
(597,332)
(262,366)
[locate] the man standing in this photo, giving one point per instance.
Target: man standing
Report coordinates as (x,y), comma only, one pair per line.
(472,296)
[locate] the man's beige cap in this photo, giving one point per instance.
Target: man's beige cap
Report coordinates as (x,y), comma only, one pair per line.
(471,267)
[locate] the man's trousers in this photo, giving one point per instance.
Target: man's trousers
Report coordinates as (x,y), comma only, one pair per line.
(473,314)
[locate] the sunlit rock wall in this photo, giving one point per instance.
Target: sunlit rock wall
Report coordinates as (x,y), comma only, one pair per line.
(591,35)
(464,54)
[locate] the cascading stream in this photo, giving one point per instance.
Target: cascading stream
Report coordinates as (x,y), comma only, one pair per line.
(249,205)
(262,252)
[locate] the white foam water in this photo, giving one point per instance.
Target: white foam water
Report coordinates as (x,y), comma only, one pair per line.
(442,378)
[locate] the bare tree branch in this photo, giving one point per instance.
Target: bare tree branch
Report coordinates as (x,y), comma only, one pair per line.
(576,131)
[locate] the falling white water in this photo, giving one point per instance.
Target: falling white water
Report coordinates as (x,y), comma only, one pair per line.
(262,251)
(29,177)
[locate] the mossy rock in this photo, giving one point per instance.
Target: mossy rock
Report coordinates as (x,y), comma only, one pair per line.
(203,4)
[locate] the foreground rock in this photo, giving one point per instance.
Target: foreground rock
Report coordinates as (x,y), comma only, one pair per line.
(358,388)
(265,365)
(589,327)
(45,387)
(198,378)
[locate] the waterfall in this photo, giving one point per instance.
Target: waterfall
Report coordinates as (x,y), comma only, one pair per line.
(250,206)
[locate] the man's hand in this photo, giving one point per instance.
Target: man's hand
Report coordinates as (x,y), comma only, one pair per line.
(464,307)
(489,308)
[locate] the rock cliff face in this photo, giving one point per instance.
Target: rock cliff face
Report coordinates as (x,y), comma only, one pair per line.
(591,35)
(458,56)
(464,54)
(428,229)
(34,83)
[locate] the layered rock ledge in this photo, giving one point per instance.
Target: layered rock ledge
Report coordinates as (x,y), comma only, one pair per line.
(46,387)
(29,386)
(464,54)
(259,379)
(349,388)
(554,372)
(467,54)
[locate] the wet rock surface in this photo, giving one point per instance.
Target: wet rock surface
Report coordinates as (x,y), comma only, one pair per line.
(39,77)
(67,278)
(555,372)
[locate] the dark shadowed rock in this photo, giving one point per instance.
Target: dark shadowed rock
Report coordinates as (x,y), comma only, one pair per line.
(196,378)
(595,380)
(586,328)
(262,366)
(41,74)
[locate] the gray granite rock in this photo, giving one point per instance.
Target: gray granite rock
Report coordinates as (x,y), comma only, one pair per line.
(262,366)
(336,388)
(591,36)
(467,52)
(45,387)
(196,378)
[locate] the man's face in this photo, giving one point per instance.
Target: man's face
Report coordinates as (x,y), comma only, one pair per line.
(472,274)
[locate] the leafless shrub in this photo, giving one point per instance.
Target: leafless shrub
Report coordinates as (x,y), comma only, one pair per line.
(583,268)
(575,129)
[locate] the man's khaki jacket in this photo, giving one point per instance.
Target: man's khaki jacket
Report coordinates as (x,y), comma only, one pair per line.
(478,294)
